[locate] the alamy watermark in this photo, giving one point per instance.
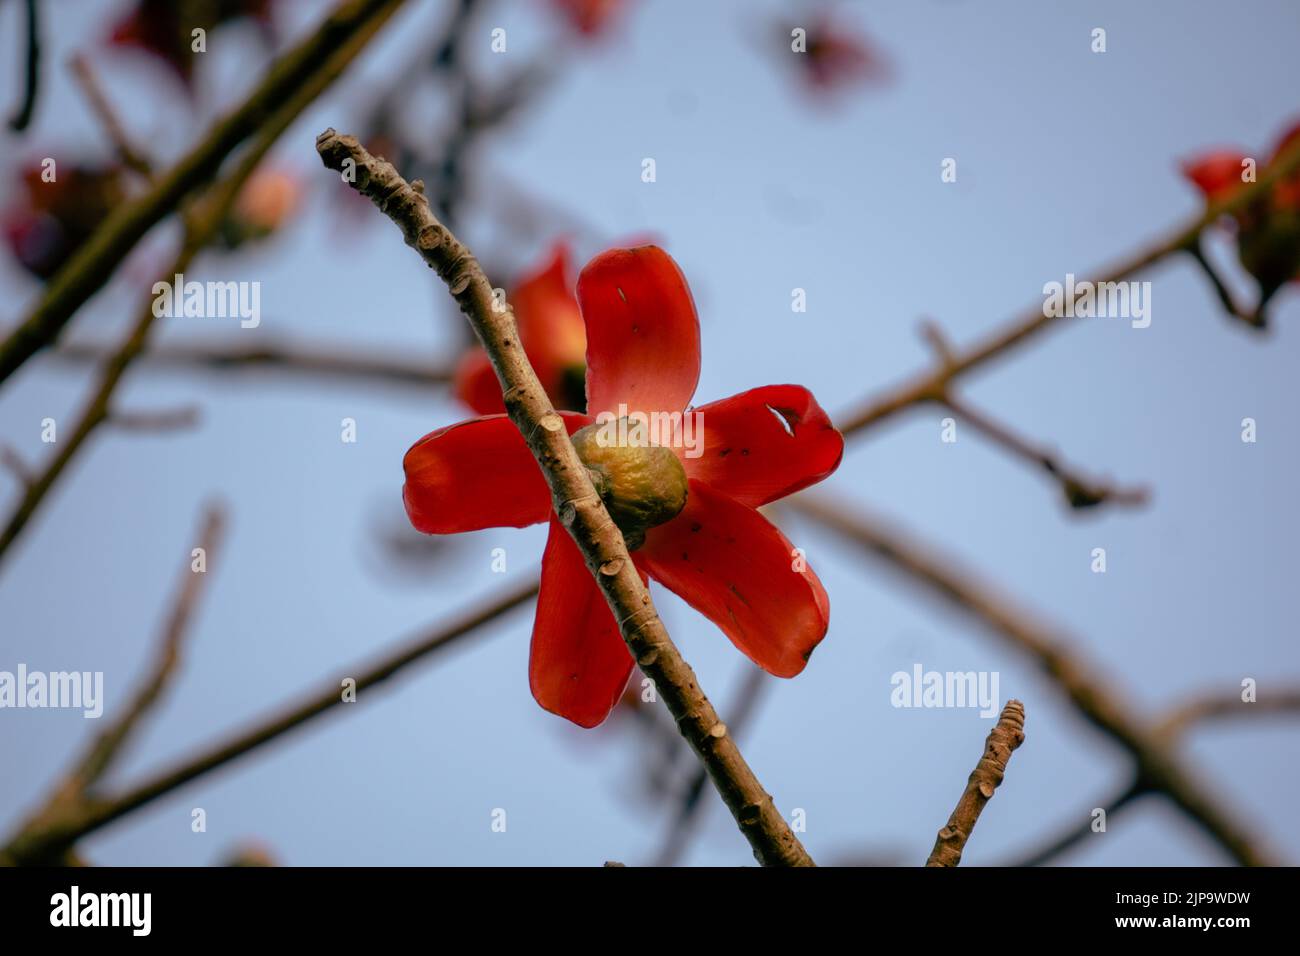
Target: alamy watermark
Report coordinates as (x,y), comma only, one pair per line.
(209,300)
(1110,300)
(56,689)
(626,429)
(922,688)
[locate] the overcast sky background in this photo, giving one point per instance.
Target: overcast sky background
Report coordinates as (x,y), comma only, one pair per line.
(1067,161)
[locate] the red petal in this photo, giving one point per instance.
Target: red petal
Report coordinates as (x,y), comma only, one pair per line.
(1215,174)
(732,565)
(764,444)
(551,328)
(578,664)
(476,474)
(475,383)
(643,336)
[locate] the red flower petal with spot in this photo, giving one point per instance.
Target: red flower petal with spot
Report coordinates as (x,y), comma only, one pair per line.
(764,444)
(643,336)
(733,566)
(578,664)
(476,474)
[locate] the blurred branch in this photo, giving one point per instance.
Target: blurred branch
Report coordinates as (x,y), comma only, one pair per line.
(1214,706)
(14,464)
(131,157)
(1176,724)
(1007,734)
(202,220)
(351,24)
(1072,836)
(111,742)
(688,810)
(32,75)
(1254,319)
(1079,491)
(930,385)
(76,793)
(579,507)
(54,835)
(1157,765)
(172,419)
(341,361)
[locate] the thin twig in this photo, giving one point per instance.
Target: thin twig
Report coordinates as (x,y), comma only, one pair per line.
(202,221)
(109,745)
(1079,490)
(1254,319)
(35,844)
(32,75)
(76,792)
(126,151)
(341,361)
(90,266)
(1179,720)
(1007,734)
(580,509)
(1075,834)
(1159,767)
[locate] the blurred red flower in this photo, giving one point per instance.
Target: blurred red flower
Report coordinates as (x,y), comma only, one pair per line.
(1267,229)
(588,17)
(48,221)
(552,333)
(717,552)
(833,57)
(165,28)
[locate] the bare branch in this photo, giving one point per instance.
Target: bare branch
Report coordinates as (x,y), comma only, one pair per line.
(1079,490)
(580,509)
(90,266)
(1007,734)
(341,361)
(50,837)
(1179,720)
(929,385)
(1156,764)
(1072,836)
(202,221)
(109,745)
(1216,706)
(166,420)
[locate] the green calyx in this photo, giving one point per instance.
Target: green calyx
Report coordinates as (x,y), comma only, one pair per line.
(642,485)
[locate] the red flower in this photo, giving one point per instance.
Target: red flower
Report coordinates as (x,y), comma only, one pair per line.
(553,336)
(717,552)
(588,17)
(50,220)
(165,27)
(835,58)
(1268,228)
(1218,172)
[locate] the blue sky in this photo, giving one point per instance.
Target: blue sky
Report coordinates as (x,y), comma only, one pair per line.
(1067,161)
